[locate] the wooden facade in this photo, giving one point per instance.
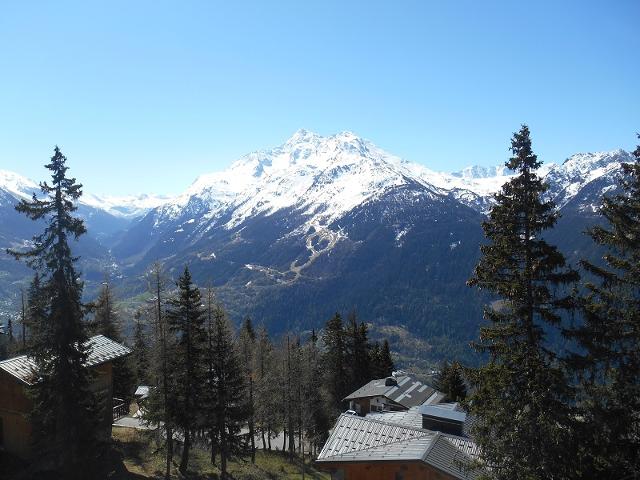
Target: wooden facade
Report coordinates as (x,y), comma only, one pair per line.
(389,470)
(15,406)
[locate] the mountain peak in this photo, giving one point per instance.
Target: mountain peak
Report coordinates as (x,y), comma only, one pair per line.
(302,136)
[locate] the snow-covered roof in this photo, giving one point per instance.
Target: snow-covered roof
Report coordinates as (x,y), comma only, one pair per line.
(101,349)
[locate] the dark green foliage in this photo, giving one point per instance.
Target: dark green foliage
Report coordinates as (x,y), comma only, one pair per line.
(521,396)
(106,321)
(36,309)
(140,357)
(185,317)
(268,394)
(64,415)
(608,363)
(381,360)
(316,419)
(229,389)
(336,378)
(450,381)
(247,345)
(357,351)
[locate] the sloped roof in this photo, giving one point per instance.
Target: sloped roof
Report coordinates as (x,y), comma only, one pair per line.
(409,418)
(449,411)
(101,349)
(409,392)
(358,439)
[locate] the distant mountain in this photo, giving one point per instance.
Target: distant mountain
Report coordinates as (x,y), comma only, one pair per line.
(291,234)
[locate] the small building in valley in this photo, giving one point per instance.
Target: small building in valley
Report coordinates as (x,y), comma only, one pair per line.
(18,373)
(399,392)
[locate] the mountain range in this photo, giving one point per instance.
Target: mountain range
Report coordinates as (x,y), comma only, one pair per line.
(289,235)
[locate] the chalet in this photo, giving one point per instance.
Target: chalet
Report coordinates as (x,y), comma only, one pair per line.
(376,447)
(399,392)
(17,373)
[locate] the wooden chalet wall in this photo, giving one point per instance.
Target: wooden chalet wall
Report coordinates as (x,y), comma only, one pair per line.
(14,411)
(414,470)
(15,407)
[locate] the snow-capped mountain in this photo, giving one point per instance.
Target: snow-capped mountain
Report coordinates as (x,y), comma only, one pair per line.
(127,206)
(291,234)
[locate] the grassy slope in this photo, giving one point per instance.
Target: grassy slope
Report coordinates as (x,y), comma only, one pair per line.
(143,460)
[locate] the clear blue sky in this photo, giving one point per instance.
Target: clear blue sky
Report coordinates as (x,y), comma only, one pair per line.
(144,96)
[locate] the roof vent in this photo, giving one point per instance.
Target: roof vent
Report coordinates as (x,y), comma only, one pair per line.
(390,382)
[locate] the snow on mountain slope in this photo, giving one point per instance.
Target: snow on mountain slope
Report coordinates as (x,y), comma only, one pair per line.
(128,206)
(323,178)
(17,185)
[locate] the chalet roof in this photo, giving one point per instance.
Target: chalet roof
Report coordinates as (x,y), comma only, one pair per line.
(448,411)
(358,439)
(101,349)
(409,391)
(408,418)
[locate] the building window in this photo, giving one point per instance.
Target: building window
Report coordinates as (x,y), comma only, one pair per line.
(399,476)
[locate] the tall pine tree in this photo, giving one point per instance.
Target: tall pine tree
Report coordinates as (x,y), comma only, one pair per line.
(337,380)
(106,321)
(64,413)
(185,317)
(608,362)
(521,395)
(228,388)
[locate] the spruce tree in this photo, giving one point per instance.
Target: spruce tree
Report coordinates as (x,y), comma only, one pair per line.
(608,361)
(450,381)
(337,384)
(316,421)
(385,360)
(247,346)
(357,352)
(64,415)
(268,393)
(140,351)
(229,390)
(521,397)
(106,321)
(185,317)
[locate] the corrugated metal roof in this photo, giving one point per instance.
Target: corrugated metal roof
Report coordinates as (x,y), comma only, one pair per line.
(409,392)
(358,439)
(352,433)
(409,418)
(100,349)
(444,410)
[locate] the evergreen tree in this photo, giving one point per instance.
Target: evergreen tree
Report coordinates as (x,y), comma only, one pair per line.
(268,394)
(140,351)
(357,353)
(374,355)
(185,317)
(247,345)
(229,390)
(64,414)
(450,381)
(521,396)
(106,322)
(608,363)
(335,362)
(36,313)
(315,420)
(385,360)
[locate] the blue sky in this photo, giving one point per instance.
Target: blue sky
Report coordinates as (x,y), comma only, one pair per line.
(144,96)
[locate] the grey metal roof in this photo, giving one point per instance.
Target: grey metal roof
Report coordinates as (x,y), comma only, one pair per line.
(449,411)
(408,418)
(409,392)
(358,439)
(100,350)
